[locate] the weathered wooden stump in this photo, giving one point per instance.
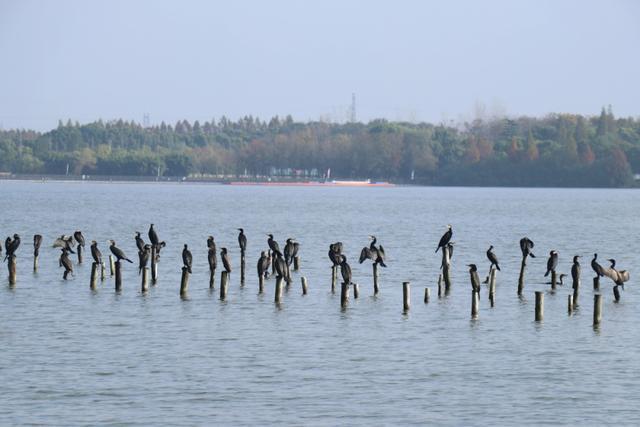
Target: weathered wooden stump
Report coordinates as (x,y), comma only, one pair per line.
(523,266)
(94,276)
(554,280)
(344,294)
(144,285)
(475,303)
(446,268)
(616,293)
(596,283)
(296,263)
(376,289)
(440,285)
(12,267)
(406,296)
(597,309)
(154,265)
(427,293)
(334,278)
(570,303)
(356,290)
(212,278)
(224,285)
(539,306)
(278,290)
(112,266)
(79,254)
(492,285)
(242,266)
(118,276)
(184,281)
(303,281)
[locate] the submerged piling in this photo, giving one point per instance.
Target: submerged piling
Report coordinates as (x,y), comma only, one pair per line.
(344,294)
(446,267)
(303,282)
(475,303)
(278,290)
(440,285)
(154,264)
(616,293)
(334,278)
(118,276)
(296,263)
(596,283)
(539,306)
(427,293)
(492,285)
(523,266)
(553,279)
(224,284)
(94,276)
(242,265)
(102,271)
(406,296)
(37,241)
(212,278)
(79,254)
(184,281)
(570,303)
(356,290)
(112,266)
(597,309)
(144,285)
(12,267)
(376,289)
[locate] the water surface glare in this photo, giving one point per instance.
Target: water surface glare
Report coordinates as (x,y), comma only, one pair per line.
(71,356)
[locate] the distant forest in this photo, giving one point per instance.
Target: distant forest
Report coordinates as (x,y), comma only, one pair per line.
(556,150)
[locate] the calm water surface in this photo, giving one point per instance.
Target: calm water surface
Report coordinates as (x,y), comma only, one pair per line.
(70,356)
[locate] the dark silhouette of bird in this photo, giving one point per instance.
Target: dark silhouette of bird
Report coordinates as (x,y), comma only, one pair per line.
(475,280)
(153,237)
(618,277)
(445,238)
(79,238)
(345,270)
(95,252)
(289,249)
(373,252)
(37,241)
(118,253)
(64,241)
(139,242)
(280,267)
(212,255)
(597,268)
(525,246)
(143,257)
(242,241)
(66,263)
(263,264)
(575,272)
(11,246)
(335,251)
(187,258)
(224,256)
(552,262)
(273,245)
(492,257)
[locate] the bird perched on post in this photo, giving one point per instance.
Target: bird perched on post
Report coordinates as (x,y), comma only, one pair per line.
(11,246)
(242,241)
(66,263)
(153,237)
(187,258)
(117,252)
(212,255)
(345,270)
(335,253)
(373,252)
(143,257)
(552,262)
(263,264)
(225,260)
(139,242)
(597,268)
(79,238)
(37,241)
(492,257)
(290,250)
(575,272)
(445,238)
(95,252)
(525,246)
(273,245)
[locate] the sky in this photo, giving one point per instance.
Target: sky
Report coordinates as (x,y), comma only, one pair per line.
(429,61)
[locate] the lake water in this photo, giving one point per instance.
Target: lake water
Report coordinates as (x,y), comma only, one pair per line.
(70,356)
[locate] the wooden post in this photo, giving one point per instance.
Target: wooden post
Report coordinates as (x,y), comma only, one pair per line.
(570,304)
(440,285)
(427,293)
(523,266)
(492,285)
(475,303)
(278,294)
(184,281)
(334,278)
(212,278)
(242,268)
(11,265)
(145,279)
(446,265)
(375,279)
(224,283)
(35,263)
(94,276)
(79,254)
(102,272)
(597,309)
(303,281)
(575,297)
(553,279)
(344,294)
(118,276)
(112,266)
(406,296)
(539,306)
(296,263)
(154,265)
(356,290)
(596,283)
(260,284)
(616,293)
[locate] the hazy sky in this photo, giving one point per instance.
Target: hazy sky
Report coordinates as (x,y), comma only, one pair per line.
(409,60)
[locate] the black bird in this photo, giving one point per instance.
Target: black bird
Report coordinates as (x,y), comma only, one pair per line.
(450,248)
(492,257)
(153,237)
(270,260)
(143,257)
(288,251)
(66,263)
(273,245)
(64,242)
(281,267)
(11,246)
(597,268)
(552,262)
(139,242)
(187,258)
(118,253)
(575,272)
(335,251)
(37,241)
(225,260)
(475,280)
(373,252)
(445,238)
(525,246)
(345,270)
(619,277)
(79,237)
(95,252)
(242,241)
(263,264)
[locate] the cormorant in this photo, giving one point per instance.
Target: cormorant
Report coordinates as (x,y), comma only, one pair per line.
(345,270)
(11,246)
(95,252)
(281,267)
(525,246)
(373,252)
(273,245)
(289,249)
(118,253)
(445,238)
(475,280)
(619,277)
(225,260)
(242,241)
(79,237)
(263,264)
(211,244)
(37,241)
(575,271)
(335,250)
(492,257)
(64,241)
(597,268)
(153,237)
(66,263)
(143,257)
(561,277)
(552,262)
(187,258)
(139,242)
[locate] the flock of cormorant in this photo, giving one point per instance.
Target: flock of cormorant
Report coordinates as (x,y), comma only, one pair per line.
(279,262)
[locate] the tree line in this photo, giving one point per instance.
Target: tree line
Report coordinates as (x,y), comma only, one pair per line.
(556,150)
